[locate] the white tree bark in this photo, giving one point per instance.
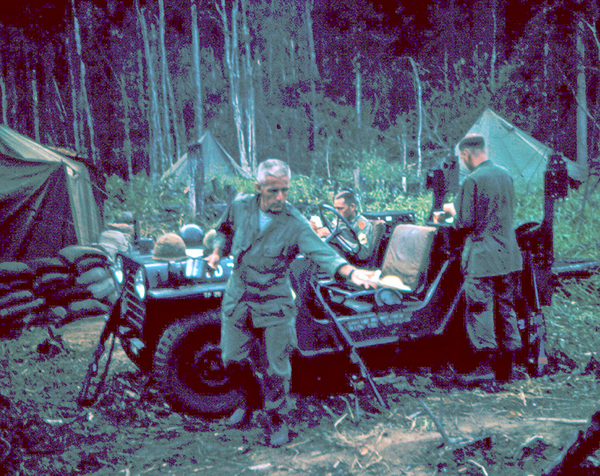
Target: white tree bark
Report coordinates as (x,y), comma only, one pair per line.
(168,132)
(415,69)
(582,137)
(36,105)
(250,95)
(197,77)
(358,89)
(82,85)
(314,71)
(156,152)
(127,147)
(494,53)
(232,59)
(74,102)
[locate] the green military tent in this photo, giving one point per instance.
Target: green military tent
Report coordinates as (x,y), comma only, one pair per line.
(216,162)
(515,150)
(46,200)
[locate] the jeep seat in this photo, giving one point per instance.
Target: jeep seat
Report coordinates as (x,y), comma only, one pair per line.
(408,255)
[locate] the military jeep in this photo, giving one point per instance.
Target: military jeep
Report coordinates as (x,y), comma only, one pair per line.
(169,322)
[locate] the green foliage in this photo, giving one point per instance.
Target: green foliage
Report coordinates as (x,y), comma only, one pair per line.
(159,208)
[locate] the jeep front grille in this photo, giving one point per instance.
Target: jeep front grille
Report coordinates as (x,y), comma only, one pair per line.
(134,310)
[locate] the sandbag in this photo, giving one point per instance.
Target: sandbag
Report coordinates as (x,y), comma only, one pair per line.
(41,266)
(102,289)
(88,307)
(16,297)
(89,263)
(93,275)
(12,312)
(75,253)
(113,242)
(51,282)
(14,270)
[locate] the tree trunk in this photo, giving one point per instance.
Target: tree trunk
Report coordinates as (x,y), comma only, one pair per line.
(62,112)
(314,73)
(420,125)
(82,85)
(74,108)
(250,96)
(582,146)
(168,132)
(36,105)
(358,89)
(198,129)
(127,148)
(156,151)
(232,59)
(3,93)
(494,54)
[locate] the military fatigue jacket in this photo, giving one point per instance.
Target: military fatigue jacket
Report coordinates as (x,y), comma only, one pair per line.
(364,233)
(484,209)
(262,259)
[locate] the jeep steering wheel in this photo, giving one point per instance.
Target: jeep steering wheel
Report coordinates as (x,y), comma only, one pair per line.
(336,231)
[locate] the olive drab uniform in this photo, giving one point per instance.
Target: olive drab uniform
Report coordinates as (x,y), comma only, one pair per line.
(364,233)
(491,256)
(258,305)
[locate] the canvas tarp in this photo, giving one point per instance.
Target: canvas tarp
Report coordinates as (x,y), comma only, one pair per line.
(46,200)
(507,145)
(216,162)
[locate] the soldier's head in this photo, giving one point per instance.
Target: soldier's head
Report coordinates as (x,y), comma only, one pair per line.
(273,184)
(346,203)
(472,150)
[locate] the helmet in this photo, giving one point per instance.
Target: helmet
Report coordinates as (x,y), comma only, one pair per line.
(192,235)
(169,247)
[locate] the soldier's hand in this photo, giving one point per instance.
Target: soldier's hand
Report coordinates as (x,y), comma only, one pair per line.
(213,260)
(363,277)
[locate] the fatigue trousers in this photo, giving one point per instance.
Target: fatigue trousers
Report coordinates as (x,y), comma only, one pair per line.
(491,320)
(265,350)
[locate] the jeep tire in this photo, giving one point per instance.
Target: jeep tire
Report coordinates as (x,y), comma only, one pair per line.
(188,368)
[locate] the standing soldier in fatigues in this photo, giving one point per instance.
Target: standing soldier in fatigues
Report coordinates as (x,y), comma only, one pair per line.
(264,234)
(491,260)
(346,205)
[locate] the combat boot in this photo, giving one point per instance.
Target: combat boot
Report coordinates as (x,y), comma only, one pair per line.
(277,430)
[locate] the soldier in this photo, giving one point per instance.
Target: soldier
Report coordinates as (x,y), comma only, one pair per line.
(491,260)
(264,234)
(346,204)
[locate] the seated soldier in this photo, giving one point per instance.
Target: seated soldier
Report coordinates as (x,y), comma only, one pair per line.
(346,205)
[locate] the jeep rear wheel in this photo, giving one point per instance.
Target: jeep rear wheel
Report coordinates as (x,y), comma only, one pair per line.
(189,370)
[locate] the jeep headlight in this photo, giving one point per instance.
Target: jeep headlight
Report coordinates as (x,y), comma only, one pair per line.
(139,283)
(118,269)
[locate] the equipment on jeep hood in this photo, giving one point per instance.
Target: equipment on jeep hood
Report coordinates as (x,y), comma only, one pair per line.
(169,320)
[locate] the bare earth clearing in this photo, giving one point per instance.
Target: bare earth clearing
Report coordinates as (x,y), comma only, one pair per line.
(518,429)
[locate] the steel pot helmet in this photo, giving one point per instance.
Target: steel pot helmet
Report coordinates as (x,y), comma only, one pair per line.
(169,247)
(192,235)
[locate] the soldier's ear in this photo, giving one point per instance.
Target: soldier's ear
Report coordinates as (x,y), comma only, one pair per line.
(257,186)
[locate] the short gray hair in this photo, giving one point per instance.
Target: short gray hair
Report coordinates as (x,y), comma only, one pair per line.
(273,167)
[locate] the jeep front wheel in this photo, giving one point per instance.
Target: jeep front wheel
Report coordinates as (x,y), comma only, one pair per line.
(189,370)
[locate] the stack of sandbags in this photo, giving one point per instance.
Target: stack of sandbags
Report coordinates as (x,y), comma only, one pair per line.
(113,242)
(18,302)
(91,278)
(52,280)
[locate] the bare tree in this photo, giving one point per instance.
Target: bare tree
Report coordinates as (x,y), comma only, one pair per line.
(82,84)
(156,152)
(197,76)
(234,69)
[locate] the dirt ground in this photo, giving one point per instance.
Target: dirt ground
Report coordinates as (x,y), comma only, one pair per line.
(515,429)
